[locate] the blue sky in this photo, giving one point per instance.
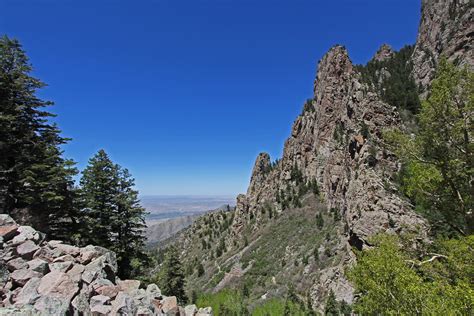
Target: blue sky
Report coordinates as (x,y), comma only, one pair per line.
(186,93)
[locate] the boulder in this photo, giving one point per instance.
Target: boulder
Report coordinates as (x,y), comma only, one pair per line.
(89,253)
(22,276)
(54,243)
(143,311)
(108,290)
(29,292)
(27,249)
(123,305)
(45,254)
(58,284)
(81,302)
(67,249)
(25,233)
(75,273)
(53,306)
(190,310)
(102,267)
(7,232)
(153,290)
(169,304)
(128,286)
(64,258)
(101,282)
(61,266)
(16,264)
(38,265)
(6,220)
(102,310)
(138,295)
(205,311)
(99,300)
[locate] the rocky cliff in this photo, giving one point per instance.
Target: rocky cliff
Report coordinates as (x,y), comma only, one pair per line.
(334,186)
(446,29)
(39,277)
(338,140)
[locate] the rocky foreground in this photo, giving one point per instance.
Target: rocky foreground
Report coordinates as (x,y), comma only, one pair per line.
(39,277)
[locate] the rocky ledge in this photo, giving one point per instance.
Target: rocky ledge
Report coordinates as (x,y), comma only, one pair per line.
(39,277)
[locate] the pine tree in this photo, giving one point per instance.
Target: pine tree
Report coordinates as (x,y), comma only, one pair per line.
(332,307)
(99,190)
(129,229)
(171,278)
(36,182)
(319,220)
(200,270)
(112,215)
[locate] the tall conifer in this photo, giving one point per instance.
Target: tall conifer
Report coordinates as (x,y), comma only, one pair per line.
(36,182)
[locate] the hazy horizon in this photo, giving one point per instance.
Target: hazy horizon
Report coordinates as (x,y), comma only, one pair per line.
(162,207)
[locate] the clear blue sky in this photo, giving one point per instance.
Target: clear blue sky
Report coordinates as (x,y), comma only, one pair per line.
(186,93)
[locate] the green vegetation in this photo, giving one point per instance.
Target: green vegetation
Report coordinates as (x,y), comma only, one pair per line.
(395,278)
(234,303)
(226,302)
(111,213)
(279,307)
(391,282)
(332,306)
(398,88)
(439,160)
(34,176)
(308,107)
(170,277)
(36,181)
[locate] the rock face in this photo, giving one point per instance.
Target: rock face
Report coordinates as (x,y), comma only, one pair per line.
(51,278)
(338,142)
(447,29)
(385,52)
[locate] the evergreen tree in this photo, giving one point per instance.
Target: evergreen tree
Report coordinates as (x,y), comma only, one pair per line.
(200,270)
(129,228)
(36,182)
(332,307)
(319,220)
(112,215)
(171,276)
(100,189)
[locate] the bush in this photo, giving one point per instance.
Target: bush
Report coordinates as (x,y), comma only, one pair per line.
(224,303)
(277,307)
(390,282)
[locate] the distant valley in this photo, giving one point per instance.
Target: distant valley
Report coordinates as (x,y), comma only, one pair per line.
(170,214)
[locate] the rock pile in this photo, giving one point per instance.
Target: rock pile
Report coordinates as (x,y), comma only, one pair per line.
(39,277)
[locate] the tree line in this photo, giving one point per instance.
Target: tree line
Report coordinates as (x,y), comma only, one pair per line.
(37,184)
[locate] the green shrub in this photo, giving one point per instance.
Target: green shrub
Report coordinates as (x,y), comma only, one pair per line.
(277,307)
(224,303)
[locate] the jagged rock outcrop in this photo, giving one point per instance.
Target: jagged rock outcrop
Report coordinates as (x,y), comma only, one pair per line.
(339,143)
(385,52)
(39,277)
(446,28)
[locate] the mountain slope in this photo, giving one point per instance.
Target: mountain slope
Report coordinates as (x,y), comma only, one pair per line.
(167,228)
(333,189)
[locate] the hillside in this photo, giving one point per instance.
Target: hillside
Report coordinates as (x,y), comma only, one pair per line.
(167,228)
(305,215)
